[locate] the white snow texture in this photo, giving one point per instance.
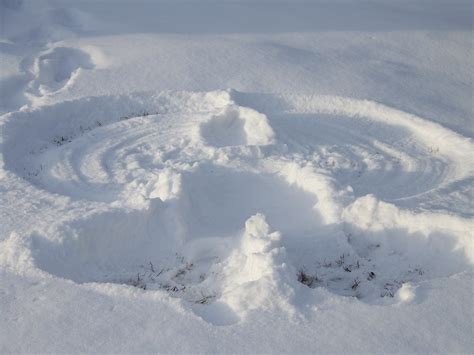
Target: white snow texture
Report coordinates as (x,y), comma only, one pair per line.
(236,176)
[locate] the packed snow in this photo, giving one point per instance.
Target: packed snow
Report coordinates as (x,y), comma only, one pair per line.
(236,176)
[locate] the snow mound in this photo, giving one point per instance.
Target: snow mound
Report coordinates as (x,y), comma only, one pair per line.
(256,272)
(226,200)
(237,126)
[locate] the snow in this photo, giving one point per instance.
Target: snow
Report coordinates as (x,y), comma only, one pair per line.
(236,176)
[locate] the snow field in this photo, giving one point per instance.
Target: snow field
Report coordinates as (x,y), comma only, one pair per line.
(314,207)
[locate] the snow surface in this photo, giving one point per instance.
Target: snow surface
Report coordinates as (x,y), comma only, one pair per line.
(236,176)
